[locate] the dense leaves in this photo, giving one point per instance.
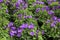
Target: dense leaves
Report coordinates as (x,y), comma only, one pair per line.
(29,20)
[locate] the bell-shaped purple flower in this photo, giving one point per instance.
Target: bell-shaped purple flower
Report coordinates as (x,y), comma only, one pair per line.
(54,18)
(47,8)
(1,1)
(25,6)
(43,32)
(7,11)
(58,20)
(53,24)
(25,16)
(37,31)
(18,35)
(39,2)
(17,5)
(20,1)
(30,16)
(54,8)
(12,33)
(58,7)
(20,16)
(32,33)
(42,8)
(51,12)
(38,9)
(49,2)
(31,26)
(13,28)
(10,24)
(24,25)
(19,30)
(48,21)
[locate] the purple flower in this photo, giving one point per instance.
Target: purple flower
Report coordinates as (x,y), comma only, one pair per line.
(48,21)
(12,33)
(6,10)
(51,12)
(25,5)
(54,0)
(49,2)
(25,25)
(58,20)
(30,16)
(58,7)
(38,9)
(32,33)
(13,28)
(53,24)
(19,30)
(18,35)
(42,8)
(39,2)
(47,8)
(37,31)
(54,18)
(7,2)
(17,5)
(43,32)
(31,26)
(54,8)
(10,24)
(20,16)
(20,0)
(25,17)
(1,1)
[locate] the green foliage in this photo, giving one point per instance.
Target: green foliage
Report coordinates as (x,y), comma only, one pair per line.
(30,10)
(54,4)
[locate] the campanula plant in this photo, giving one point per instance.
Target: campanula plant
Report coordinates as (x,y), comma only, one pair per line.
(29,19)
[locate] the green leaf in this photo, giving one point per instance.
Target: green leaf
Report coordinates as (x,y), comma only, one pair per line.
(3,38)
(40,36)
(54,4)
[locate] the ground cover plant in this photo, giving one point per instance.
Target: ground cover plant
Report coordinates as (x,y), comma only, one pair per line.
(29,19)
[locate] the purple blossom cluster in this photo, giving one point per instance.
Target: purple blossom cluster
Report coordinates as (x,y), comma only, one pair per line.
(54,19)
(18,31)
(24,6)
(1,1)
(20,16)
(21,4)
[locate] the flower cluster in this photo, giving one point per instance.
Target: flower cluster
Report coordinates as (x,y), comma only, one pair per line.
(18,31)
(31,19)
(21,2)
